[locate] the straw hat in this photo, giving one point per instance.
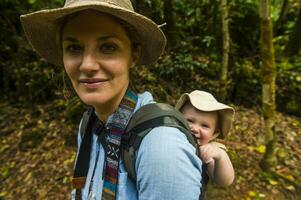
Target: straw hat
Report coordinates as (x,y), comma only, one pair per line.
(41,28)
(206,102)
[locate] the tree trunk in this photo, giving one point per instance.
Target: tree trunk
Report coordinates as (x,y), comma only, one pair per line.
(226,40)
(294,43)
(268,86)
(170,27)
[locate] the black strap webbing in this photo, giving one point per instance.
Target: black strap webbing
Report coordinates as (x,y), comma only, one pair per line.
(89,125)
(132,139)
(82,162)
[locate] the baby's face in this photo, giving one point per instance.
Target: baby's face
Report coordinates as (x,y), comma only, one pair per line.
(202,124)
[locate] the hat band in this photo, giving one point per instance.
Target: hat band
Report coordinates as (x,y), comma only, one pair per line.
(120,3)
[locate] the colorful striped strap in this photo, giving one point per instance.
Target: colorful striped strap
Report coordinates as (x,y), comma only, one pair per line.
(115,129)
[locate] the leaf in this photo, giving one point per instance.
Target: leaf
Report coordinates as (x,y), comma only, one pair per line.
(252,193)
(3,194)
(273,182)
(66,179)
(290,187)
(262,195)
(290,177)
(296,123)
(32,1)
(260,149)
(281,153)
(4,147)
(5,172)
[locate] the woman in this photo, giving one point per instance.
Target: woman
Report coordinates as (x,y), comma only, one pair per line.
(98,42)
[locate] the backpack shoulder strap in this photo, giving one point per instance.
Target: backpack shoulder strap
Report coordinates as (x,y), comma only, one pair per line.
(82,161)
(145,119)
(85,121)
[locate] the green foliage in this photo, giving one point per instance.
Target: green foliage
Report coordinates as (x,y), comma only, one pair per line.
(193,62)
(244,28)
(289,86)
(246,86)
(152,9)
(25,77)
(180,66)
(198,24)
(32,1)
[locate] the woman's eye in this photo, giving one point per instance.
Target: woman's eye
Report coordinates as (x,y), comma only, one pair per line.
(74,49)
(108,48)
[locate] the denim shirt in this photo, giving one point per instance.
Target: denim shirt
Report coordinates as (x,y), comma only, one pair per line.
(166,165)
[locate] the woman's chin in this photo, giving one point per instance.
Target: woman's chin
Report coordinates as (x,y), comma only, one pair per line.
(93,99)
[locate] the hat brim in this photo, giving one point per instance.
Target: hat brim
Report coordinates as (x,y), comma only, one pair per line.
(41,29)
(226,113)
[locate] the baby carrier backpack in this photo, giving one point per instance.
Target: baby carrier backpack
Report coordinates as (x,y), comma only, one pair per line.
(141,123)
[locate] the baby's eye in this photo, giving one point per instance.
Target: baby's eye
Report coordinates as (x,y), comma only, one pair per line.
(108,48)
(205,125)
(189,120)
(74,49)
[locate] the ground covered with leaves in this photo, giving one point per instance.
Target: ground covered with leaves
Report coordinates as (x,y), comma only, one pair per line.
(37,150)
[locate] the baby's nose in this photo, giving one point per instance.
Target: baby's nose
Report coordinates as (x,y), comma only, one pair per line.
(194,130)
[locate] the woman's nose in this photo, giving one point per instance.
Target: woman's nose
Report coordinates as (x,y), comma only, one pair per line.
(89,63)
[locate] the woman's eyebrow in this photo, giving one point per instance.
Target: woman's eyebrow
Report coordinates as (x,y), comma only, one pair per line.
(98,39)
(105,37)
(70,39)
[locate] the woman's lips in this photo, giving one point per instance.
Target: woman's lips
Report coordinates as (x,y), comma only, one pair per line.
(93,82)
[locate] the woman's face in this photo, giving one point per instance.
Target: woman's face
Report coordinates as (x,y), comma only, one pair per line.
(97,56)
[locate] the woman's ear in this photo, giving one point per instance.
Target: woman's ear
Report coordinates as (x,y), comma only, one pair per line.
(136,55)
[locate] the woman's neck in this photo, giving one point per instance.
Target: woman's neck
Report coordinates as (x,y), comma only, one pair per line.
(105,110)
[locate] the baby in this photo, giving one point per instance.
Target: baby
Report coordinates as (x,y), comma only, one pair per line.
(209,119)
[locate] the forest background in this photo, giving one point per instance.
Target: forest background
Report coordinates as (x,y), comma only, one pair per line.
(213,45)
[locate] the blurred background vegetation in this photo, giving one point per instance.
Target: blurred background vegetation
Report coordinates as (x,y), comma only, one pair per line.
(193,58)
(48,110)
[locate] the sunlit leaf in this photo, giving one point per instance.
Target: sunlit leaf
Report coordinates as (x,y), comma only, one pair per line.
(260,149)
(31,1)
(290,187)
(3,194)
(3,148)
(281,153)
(273,182)
(4,172)
(290,177)
(295,122)
(28,176)
(66,179)
(252,193)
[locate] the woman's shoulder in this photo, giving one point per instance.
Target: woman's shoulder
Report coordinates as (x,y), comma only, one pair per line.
(167,137)
(144,99)
(162,143)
